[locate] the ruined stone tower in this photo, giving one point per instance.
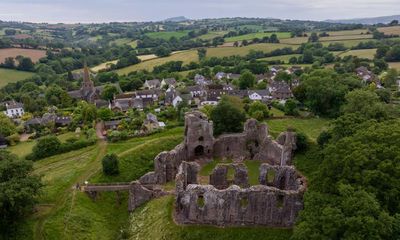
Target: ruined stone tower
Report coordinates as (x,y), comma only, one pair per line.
(199,138)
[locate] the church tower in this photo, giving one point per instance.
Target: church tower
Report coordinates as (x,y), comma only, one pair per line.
(87,85)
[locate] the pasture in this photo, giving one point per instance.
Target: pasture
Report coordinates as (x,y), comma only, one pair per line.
(362,53)
(10,76)
(260,35)
(34,54)
(284,58)
(191,55)
(167,35)
(212,35)
(390,30)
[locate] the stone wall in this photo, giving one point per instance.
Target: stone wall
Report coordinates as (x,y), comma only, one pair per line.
(224,204)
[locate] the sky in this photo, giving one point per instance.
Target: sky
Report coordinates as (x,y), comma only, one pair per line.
(85,11)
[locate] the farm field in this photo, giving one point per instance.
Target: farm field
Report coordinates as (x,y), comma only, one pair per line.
(191,56)
(344,37)
(348,43)
(34,54)
(284,58)
(167,35)
(186,57)
(395,65)
(260,35)
(10,76)
(103,66)
(390,30)
(294,41)
(212,35)
(348,32)
(362,53)
(242,51)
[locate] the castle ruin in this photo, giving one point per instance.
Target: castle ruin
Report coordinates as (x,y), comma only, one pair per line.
(224,198)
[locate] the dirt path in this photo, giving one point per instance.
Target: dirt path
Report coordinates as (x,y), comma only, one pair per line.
(93,167)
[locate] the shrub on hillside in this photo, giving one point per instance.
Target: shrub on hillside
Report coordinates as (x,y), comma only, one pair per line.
(110,164)
(302,142)
(46,146)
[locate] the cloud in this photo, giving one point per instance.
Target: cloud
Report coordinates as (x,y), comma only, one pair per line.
(146,10)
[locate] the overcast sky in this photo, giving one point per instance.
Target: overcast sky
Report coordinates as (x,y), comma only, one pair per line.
(152,10)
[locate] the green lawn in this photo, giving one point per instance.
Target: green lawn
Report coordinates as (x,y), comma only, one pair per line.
(259,35)
(310,126)
(167,35)
(10,76)
(154,221)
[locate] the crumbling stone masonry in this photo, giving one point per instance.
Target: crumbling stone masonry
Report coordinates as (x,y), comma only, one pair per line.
(274,203)
(228,199)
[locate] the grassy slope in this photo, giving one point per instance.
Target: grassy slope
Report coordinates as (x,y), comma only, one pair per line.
(310,126)
(284,58)
(167,35)
(10,76)
(362,53)
(191,55)
(154,221)
(24,148)
(260,35)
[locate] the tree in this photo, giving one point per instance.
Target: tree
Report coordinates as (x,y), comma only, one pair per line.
(313,38)
(105,114)
(291,108)
(258,111)
(46,146)
(390,78)
(9,63)
(19,189)
(110,164)
(365,103)
(227,117)
(323,91)
(7,127)
(10,32)
(85,113)
(202,52)
(162,51)
(394,23)
(108,92)
(355,190)
(25,64)
(246,80)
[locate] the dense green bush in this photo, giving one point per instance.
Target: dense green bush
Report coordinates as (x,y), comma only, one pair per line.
(110,164)
(45,147)
(302,142)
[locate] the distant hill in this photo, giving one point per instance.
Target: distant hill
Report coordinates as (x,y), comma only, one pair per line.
(176,19)
(368,21)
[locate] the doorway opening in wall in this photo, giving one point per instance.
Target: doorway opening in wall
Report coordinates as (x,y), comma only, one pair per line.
(199,151)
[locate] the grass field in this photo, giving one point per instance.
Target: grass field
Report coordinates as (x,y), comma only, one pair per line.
(167,35)
(362,53)
(294,41)
(251,36)
(34,54)
(390,30)
(212,35)
(284,58)
(310,126)
(348,43)
(24,148)
(344,37)
(9,76)
(103,66)
(154,221)
(395,65)
(191,56)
